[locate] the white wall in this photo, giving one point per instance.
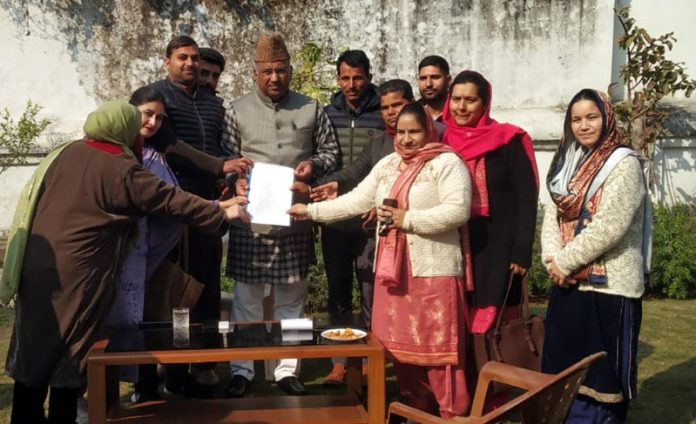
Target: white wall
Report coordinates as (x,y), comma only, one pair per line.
(678,16)
(40,69)
(536,54)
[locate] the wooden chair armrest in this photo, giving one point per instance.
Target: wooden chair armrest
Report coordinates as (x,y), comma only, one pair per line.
(398,408)
(99,346)
(506,374)
(513,376)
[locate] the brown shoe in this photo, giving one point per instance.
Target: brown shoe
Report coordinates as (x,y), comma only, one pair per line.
(336,375)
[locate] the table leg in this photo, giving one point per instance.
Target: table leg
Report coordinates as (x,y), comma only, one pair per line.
(112,388)
(354,376)
(375,388)
(269,365)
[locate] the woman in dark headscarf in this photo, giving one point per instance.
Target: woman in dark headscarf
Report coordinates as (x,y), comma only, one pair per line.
(501,161)
(73,224)
(595,244)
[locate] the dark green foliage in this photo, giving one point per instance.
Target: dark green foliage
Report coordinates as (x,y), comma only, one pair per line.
(318,286)
(674,252)
(674,255)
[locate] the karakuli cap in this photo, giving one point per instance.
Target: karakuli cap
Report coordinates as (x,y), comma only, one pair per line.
(271,48)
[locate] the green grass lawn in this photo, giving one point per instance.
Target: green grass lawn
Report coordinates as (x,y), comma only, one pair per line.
(667,366)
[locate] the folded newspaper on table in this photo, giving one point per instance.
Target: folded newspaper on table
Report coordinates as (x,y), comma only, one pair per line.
(297,324)
(269,194)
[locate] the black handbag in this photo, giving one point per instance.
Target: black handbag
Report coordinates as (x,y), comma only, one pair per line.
(517,342)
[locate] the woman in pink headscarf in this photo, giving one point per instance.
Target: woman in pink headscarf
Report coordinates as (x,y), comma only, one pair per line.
(505,188)
(419,310)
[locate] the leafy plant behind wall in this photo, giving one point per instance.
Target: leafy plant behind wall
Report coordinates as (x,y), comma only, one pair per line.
(648,76)
(313,76)
(19,139)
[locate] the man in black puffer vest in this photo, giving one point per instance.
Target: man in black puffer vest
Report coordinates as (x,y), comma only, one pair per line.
(196,116)
(354,112)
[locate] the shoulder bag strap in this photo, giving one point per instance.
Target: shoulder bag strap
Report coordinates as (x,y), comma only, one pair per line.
(499,319)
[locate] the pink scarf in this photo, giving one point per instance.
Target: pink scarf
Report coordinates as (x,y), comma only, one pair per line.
(473,143)
(392,251)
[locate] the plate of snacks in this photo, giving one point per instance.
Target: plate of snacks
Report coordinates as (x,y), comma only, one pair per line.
(343,334)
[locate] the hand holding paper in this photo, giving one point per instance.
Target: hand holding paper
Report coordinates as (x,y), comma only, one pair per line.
(303,171)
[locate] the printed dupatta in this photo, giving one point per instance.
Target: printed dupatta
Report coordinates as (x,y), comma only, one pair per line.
(575,211)
(473,143)
(571,202)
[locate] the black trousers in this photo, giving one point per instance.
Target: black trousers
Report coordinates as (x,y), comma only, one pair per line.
(27,405)
(204,259)
(343,251)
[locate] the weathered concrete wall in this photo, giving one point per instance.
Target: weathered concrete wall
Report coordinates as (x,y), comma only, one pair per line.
(68,56)
(98,50)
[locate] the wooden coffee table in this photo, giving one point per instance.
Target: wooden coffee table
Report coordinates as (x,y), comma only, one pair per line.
(247,342)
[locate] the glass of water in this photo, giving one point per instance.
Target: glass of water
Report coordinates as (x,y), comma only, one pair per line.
(180,317)
(180,324)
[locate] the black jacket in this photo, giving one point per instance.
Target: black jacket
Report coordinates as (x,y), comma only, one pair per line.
(197,120)
(350,176)
(355,128)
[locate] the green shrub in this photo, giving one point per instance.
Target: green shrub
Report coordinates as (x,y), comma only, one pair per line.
(674,251)
(313,74)
(17,139)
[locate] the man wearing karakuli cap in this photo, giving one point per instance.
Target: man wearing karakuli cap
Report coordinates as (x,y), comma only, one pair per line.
(279,126)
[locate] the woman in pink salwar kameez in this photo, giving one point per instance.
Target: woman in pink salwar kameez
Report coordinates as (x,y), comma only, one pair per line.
(419,309)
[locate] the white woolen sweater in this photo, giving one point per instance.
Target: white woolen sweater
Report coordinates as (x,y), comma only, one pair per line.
(615,235)
(439,203)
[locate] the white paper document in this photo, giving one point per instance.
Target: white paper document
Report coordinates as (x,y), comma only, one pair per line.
(269,194)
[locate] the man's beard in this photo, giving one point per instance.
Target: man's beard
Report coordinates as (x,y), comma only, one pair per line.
(438,97)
